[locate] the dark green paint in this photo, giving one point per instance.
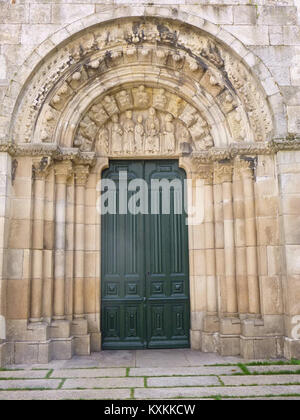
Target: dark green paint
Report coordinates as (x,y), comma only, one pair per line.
(145,277)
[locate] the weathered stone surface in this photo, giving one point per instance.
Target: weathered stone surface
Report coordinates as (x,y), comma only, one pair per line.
(183,381)
(273,369)
(261,380)
(101,394)
(184,371)
(89,373)
(104,383)
(30,384)
(24,374)
(258,391)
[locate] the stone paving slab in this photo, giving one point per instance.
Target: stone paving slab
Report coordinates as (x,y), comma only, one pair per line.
(89,373)
(30,384)
(99,394)
(261,380)
(104,383)
(185,371)
(183,381)
(263,369)
(243,391)
(24,374)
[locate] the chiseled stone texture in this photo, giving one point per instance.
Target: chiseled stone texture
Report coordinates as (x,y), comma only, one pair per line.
(244,257)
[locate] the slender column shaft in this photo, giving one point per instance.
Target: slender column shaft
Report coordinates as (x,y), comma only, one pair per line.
(81,174)
(225,175)
(210,256)
(240,242)
(62,172)
(219,244)
(251,242)
(39,170)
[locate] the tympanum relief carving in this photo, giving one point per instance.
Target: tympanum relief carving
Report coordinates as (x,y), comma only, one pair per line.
(142,121)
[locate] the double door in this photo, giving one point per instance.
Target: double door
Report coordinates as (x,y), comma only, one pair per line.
(145,270)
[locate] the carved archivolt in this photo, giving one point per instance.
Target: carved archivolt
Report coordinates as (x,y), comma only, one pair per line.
(114,78)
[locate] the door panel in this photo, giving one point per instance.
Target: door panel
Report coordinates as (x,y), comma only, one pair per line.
(145,279)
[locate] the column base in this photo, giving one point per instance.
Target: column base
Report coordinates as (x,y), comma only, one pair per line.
(6,354)
(210,342)
(62,348)
(291,348)
(195,339)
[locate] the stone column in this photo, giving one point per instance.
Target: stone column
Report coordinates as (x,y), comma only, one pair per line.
(62,173)
(240,241)
(81,175)
(40,170)
(211,320)
(5,197)
(251,239)
(219,244)
(230,326)
(224,172)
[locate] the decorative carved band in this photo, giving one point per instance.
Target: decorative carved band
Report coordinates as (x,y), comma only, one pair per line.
(213,155)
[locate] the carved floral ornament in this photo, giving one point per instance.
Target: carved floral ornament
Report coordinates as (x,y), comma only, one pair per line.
(94,86)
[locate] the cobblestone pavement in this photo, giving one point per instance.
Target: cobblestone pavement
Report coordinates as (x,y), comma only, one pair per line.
(151,374)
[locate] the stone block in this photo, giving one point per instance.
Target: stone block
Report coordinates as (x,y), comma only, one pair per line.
(30,384)
(294,119)
(182,381)
(260,380)
(195,339)
(90,373)
(96,342)
(82,345)
(62,348)
(67,13)
(210,342)
(230,326)
(249,35)
(34,352)
(60,329)
(230,346)
(40,13)
(79,327)
(104,383)
(291,348)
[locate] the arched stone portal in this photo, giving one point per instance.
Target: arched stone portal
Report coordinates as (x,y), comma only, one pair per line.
(73,115)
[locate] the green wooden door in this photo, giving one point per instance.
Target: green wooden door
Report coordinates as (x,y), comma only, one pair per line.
(145,278)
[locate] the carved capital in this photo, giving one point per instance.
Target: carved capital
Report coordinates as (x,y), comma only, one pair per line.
(40,167)
(223,173)
(81,173)
(243,168)
(205,172)
(63,171)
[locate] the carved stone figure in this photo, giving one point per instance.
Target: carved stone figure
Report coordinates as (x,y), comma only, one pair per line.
(139,134)
(124,99)
(142,98)
(128,139)
(102,141)
(152,132)
(116,135)
(88,129)
(110,105)
(160,100)
(169,134)
(98,115)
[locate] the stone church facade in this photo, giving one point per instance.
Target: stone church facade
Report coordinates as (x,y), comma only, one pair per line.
(213,85)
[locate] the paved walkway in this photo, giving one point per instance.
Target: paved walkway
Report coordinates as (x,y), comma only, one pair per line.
(150,374)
